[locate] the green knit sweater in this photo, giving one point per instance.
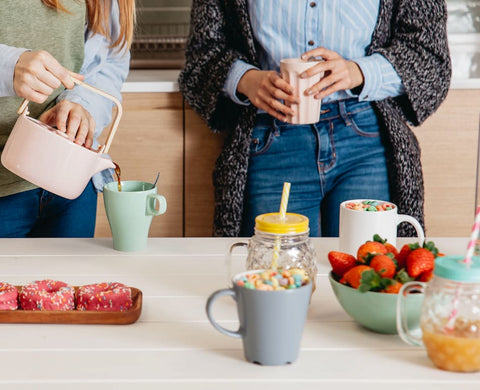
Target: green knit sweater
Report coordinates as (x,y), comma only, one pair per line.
(33,26)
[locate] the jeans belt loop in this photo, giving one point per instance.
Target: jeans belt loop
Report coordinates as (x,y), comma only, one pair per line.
(342,109)
(276,129)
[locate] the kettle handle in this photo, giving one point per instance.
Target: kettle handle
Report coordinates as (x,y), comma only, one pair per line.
(23,109)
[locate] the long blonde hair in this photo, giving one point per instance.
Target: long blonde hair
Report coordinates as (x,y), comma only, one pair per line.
(98,14)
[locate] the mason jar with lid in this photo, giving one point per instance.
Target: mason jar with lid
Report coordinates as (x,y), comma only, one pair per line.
(450,317)
(279,243)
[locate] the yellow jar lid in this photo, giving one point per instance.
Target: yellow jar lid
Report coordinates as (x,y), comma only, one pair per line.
(272,223)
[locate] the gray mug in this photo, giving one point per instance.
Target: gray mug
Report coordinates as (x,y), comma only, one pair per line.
(271,322)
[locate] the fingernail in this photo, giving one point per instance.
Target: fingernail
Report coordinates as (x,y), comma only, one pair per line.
(303,57)
(303,75)
(309,92)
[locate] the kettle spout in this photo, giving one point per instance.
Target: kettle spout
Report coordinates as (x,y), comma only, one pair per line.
(104,163)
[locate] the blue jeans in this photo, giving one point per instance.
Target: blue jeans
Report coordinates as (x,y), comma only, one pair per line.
(340,157)
(39,213)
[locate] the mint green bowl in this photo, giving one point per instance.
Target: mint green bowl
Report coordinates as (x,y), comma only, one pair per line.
(376,311)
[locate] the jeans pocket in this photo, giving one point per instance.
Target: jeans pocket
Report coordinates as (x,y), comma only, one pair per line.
(364,122)
(262,138)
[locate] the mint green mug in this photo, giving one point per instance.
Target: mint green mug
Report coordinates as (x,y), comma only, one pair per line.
(130,212)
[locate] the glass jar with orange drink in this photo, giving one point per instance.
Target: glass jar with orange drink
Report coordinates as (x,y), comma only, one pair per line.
(450,318)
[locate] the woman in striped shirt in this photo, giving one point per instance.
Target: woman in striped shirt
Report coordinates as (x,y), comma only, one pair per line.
(385,61)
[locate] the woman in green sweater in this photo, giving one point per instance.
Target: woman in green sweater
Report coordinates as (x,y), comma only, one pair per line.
(35,64)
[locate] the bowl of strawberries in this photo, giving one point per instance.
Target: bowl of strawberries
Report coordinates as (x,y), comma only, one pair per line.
(367,285)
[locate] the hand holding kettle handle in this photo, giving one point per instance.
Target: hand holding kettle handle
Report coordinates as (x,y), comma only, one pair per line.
(23,110)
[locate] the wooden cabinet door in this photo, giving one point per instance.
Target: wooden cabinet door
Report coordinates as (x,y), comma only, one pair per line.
(449,142)
(202,148)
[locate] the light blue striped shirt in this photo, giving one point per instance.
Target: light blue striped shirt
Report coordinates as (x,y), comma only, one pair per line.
(288,28)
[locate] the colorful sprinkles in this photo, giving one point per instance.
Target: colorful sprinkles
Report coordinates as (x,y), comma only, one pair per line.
(52,295)
(8,297)
(370,205)
(106,296)
(47,295)
(274,280)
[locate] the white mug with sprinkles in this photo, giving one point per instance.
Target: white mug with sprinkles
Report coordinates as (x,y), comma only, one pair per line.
(361,219)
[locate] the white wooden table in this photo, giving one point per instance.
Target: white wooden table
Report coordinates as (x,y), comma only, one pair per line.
(173,346)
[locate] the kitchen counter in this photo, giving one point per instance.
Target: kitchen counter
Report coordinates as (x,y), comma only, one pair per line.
(173,346)
(163,80)
(152,80)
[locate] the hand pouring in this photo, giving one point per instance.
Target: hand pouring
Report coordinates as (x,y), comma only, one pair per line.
(47,158)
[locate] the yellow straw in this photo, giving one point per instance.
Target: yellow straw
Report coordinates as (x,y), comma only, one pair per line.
(284,202)
(283,216)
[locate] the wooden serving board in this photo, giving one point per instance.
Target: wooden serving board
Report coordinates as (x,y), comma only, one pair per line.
(76,316)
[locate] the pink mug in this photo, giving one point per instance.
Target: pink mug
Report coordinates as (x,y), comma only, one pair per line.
(308,110)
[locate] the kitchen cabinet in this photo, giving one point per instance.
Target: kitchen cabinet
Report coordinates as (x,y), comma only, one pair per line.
(158,134)
(202,147)
(449,142)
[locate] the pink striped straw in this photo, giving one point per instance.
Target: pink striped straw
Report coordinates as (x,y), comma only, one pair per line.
(468,260)
(473,238)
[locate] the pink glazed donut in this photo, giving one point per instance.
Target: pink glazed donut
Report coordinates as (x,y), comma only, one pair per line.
(47,295)
(107,296)
(8,297)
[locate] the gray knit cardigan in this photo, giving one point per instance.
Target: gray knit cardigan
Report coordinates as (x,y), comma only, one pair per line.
(411,34)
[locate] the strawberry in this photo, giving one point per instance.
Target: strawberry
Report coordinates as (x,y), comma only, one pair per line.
(390,248)
(341,262)
(402,256)
(370,248)
(353,276)
(425,276)
(420,260)
(393,288)
(384,265)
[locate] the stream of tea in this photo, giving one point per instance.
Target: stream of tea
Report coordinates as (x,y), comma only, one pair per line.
(118,172)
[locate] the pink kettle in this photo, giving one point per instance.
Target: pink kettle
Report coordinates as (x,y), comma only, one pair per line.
(47,158)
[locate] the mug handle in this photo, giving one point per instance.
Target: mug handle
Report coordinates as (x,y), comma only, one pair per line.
(418,228)
(402,316)
(211,299)
(228,257)
(162,204)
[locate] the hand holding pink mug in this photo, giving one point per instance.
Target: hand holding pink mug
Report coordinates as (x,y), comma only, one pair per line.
(358,225)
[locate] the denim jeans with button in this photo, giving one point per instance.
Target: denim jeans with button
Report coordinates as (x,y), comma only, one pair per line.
(341,157)
(39,213)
